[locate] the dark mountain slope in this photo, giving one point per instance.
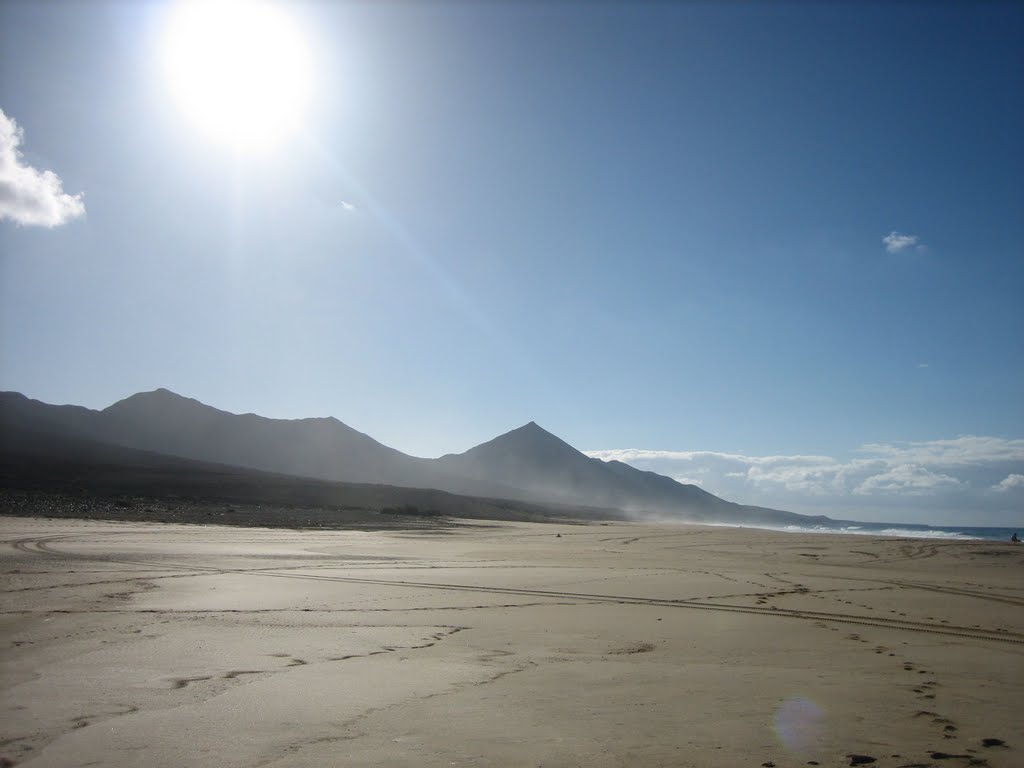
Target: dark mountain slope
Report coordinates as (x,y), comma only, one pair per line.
(32,419)
(324,448)
(167,423)
(58,475)
(526,464)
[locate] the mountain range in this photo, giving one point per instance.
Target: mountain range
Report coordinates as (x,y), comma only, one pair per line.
(528,464)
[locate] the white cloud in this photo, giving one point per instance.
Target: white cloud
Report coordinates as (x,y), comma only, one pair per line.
(347,206)
(813,474)
(28,196)
(927,479)
(907,478)
(1010,481)
(923,365)
(896,242)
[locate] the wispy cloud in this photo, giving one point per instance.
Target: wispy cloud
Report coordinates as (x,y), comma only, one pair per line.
(969,450)
(924,365)
(28,196)
(1009,482)
(895,242)
(347,206)
(907,478)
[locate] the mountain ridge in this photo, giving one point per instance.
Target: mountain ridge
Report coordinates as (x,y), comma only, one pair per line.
(527,463)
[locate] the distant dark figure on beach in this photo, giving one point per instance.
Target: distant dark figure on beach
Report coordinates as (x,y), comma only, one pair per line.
(1015,538)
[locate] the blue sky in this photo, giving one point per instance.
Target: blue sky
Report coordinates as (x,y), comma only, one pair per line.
(658,227)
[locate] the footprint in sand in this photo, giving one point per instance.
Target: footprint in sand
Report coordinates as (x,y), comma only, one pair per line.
(182,682)
(237,672)
(861,759)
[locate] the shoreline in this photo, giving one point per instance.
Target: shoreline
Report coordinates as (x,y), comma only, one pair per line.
(894,530)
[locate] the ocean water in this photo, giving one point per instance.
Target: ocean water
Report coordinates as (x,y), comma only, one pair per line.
(909,531)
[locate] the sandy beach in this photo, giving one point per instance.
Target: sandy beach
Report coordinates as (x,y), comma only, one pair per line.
(505,644)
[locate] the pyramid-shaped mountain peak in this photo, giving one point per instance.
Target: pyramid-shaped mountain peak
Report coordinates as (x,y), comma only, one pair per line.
(530,427)
(530,435)
(528,445)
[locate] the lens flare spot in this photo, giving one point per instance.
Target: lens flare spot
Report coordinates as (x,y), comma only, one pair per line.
(800,725)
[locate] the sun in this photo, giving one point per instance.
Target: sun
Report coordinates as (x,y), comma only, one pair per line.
(240,70)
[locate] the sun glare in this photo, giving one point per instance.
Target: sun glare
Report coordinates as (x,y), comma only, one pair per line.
(240,69)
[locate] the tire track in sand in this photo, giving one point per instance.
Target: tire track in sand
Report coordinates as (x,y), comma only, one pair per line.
(43,546)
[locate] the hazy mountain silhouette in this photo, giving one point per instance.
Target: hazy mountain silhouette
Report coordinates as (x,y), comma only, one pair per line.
(545,467)
(324,447)
(167,423)
(23,419)
(528,463)
(539,463)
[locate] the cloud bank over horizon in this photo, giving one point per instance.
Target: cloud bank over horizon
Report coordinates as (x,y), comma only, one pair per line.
(30,197)
(970,480)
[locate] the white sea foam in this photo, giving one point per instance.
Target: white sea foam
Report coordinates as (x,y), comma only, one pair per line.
(896,531)
(890,530)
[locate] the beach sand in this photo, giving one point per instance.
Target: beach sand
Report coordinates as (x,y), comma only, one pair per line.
(508,644)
